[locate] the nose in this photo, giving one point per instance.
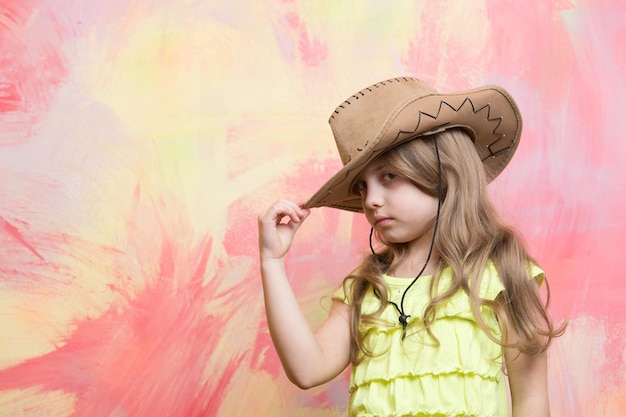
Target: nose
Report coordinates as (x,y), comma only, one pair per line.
(374,197)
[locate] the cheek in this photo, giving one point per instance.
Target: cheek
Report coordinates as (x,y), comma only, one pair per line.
(429,206)
(435,204)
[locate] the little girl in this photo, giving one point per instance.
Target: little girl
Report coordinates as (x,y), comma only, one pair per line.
(447,305)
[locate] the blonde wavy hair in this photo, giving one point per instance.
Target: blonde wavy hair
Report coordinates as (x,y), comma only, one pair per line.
(470,233)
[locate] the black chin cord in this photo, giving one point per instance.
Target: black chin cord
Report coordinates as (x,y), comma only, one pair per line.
(404,318)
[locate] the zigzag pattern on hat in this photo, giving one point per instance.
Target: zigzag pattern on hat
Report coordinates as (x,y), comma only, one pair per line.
(405,134)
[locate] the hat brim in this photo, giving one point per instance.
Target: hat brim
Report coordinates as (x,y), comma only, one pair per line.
(489,114)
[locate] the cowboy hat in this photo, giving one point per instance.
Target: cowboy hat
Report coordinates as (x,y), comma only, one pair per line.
(391,112)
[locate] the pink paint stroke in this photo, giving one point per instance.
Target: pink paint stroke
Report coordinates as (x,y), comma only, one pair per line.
(148,357)
(13,232)
(32,65)
(293,33)
(148,353)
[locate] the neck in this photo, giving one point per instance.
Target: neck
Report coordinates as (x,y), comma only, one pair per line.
(410,266)
(410,261)
(414,256)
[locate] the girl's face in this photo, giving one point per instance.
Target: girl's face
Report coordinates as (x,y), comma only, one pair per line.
(398,210)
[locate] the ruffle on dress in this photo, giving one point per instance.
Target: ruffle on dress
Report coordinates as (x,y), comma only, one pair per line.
(460,375)
(435,394)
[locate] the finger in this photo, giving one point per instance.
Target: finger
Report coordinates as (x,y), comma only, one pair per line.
(288,209)
(304,211)
(301,212)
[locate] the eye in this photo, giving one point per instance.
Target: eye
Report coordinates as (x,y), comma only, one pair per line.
(388,176)
(359,187)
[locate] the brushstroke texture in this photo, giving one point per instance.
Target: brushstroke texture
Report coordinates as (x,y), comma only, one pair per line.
(139,140)
(32,66)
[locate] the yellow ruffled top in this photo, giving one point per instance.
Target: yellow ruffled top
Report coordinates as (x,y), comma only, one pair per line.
(462,376)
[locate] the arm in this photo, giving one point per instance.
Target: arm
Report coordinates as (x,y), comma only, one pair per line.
(528,381)
(309,358)
(528,378)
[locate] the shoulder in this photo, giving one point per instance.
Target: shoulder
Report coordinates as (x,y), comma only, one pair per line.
(358,287)
(491,283)
(342,293)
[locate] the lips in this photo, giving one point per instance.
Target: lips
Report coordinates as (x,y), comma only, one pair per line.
(382,221)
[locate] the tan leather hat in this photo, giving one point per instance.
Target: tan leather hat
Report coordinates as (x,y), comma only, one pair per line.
(394,111)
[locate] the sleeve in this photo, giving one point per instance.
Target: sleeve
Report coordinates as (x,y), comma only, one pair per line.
(536,273)
(491,285)
(340,294)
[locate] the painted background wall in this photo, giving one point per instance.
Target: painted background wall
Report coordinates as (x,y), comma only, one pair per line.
(140,138)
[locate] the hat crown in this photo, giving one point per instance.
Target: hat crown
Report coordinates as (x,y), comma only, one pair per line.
(358,119)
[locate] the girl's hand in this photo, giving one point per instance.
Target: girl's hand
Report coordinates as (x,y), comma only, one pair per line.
(277,227)
(309,358)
